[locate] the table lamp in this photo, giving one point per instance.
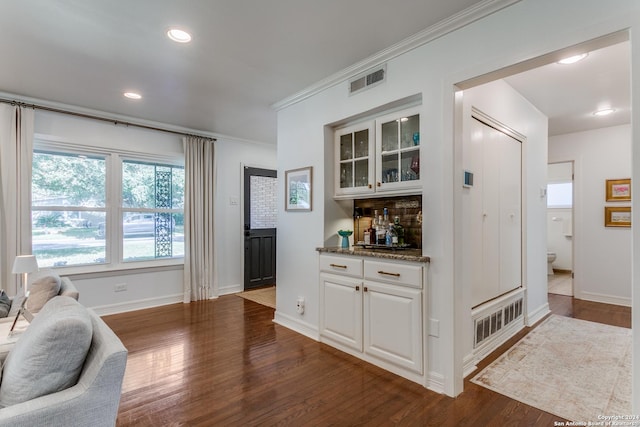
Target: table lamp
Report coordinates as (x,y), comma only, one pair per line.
(25,264)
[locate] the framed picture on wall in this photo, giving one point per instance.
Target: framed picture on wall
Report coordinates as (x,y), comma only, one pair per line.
(298,189)
(617,216)
(618,190)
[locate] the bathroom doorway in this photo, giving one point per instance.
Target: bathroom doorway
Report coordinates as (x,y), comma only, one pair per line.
(560,214)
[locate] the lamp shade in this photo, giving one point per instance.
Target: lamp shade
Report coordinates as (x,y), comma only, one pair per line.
(25,264)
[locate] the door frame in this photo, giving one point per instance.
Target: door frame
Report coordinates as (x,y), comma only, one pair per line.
(573,216)
(241,228)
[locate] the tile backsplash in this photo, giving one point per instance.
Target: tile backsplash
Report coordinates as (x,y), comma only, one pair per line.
(408,208)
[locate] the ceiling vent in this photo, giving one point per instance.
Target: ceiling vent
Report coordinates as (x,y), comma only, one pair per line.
(367,80)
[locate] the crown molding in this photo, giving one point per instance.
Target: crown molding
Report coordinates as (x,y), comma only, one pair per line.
(446,26)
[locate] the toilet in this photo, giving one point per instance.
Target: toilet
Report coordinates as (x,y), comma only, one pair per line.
(551,256)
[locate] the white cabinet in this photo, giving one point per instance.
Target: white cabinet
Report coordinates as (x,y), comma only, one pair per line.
(398,151)
(378,156)
(378,316)
(354,154)
(341,300)
(393,324)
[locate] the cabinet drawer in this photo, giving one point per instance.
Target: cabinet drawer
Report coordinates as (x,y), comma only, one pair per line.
(389,272)
(345,266)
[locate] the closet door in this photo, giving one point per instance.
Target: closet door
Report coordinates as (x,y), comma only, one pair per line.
(495,205)
(510,213)
(492,146)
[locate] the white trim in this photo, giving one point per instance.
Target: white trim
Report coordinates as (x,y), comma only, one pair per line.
(435,382)
(231,289)
(304,328)
(537,315)
(446,26)
(469,364)
(603,298)
(104,310)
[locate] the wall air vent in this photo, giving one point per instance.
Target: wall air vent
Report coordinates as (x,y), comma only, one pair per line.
(367,80)
(490,325)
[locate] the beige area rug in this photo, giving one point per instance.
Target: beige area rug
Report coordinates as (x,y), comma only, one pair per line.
(572,368)
(264,296)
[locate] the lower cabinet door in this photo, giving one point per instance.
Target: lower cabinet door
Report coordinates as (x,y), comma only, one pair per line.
(393,324)
(341,313)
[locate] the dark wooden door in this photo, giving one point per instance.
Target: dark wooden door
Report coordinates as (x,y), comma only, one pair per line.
(259,227)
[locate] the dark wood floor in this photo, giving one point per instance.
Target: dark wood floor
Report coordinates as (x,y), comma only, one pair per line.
(225,363)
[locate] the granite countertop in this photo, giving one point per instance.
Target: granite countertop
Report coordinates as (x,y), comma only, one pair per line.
(414,255)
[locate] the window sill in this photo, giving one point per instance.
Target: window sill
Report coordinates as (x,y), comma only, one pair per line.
(106,270)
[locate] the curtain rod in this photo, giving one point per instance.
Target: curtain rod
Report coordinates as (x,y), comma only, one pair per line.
(103,119)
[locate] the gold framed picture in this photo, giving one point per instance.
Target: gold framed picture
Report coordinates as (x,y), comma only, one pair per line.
(618,190)
(617,216)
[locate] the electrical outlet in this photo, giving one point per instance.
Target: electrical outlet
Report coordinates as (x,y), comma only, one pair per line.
(300,305)
(120,287)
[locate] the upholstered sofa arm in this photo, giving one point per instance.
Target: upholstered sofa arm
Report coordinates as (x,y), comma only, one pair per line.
(68,289)
(92,402)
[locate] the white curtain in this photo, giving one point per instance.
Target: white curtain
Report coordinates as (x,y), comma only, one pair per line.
(16,147)
(199,260)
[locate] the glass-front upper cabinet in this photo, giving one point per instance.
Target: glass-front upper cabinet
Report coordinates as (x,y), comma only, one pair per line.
(354,159)
(398,151)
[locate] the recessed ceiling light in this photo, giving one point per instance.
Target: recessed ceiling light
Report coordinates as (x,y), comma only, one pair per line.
(604,112)
(179,36)
(133,95)
(573,59)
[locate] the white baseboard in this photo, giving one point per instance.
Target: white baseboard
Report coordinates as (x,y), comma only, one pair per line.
(104,310)
(538,314)
(469,365)
(435,382)
(606,299)
(297,325)
(233,289)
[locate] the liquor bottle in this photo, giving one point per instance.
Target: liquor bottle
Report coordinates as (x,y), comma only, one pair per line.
(399,229)
(392,237)
(381,231)
(373,229)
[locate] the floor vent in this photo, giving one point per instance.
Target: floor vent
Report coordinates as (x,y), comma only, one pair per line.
(367,80)
(487,326)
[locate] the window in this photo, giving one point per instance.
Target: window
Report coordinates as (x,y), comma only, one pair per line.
(75,224)
(67,205)
(560,195)
(152,211)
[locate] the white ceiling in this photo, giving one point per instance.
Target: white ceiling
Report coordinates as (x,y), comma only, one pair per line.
(245,56)
(569,94)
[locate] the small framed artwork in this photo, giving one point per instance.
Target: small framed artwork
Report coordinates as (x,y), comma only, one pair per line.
(619,190)
(617,216)
(298,187)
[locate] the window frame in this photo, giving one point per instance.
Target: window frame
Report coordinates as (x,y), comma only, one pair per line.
(561,206)
(113,209)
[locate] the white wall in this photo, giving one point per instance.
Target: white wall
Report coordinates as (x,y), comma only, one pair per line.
(602,255)
(231,157)
(525,30)
(157,286)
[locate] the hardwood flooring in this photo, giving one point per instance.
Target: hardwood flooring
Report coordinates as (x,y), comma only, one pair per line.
(225,363)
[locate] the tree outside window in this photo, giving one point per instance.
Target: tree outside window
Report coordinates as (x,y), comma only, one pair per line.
(74,224)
